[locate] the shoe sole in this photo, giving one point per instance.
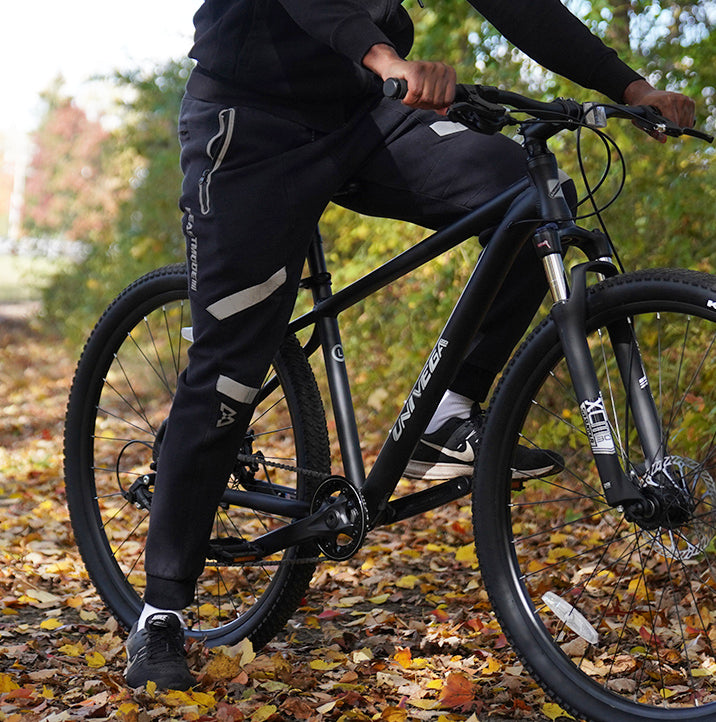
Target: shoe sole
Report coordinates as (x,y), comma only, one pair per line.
(425,471)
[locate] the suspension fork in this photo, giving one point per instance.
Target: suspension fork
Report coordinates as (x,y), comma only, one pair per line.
(569,314)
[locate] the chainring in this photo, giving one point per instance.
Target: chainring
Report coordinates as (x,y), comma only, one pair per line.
(351,517)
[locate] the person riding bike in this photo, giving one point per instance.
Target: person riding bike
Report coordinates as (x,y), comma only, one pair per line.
(282,113)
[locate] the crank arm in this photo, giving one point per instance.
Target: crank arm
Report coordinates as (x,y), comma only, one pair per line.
(329,521)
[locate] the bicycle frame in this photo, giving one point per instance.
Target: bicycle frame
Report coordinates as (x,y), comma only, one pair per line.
(515,212)
(517,208)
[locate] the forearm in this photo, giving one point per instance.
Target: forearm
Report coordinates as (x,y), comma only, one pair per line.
(550,34)
(344,25)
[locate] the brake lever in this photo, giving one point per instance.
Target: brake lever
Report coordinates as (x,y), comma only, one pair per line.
(662,125)
(700,134)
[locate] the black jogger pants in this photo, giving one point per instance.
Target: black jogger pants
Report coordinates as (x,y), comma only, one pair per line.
(254,189)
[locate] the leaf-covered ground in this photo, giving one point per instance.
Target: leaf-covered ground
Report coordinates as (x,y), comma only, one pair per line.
(401,632)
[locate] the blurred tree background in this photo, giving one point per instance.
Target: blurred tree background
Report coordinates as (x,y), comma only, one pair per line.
(124,199)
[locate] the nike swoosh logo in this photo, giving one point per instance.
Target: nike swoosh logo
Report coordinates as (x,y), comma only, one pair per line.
(467,456)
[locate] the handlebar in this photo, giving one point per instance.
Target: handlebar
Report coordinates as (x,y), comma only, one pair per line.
(482,107)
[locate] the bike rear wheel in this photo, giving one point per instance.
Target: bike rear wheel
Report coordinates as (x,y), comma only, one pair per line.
(120,397)
(616,621)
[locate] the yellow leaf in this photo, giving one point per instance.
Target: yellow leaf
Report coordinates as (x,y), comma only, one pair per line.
(535,566)
(426,704)
(7,684)
(72,650)
(323,666)
(263,713)
(243,651)
(128,708)
(432,547)
(368,564)
(554,711)
(492,666)
(205,699)
(247,652)
(95,660)
(51,623)
(47,693)
(466,554)
(407,582)
(208,610)
(176,698)
(151,688)
(380,599)
(394,714)
(222,666)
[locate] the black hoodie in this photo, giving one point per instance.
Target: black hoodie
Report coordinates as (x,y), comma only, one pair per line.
(303,57)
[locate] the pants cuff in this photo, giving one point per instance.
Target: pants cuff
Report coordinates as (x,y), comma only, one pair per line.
(169,593)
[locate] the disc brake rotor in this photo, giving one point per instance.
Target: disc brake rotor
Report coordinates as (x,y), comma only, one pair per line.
(693,537)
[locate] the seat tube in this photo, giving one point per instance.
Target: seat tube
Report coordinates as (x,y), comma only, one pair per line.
(336,372)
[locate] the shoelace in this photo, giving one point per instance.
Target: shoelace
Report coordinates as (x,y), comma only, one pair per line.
(164,645)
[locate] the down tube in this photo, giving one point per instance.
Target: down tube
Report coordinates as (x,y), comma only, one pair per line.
(449,351)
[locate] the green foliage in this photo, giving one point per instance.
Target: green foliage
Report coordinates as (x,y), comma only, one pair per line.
(144,229)
(664,216)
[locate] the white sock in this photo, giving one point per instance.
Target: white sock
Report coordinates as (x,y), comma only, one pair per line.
(451,405)
(148,610)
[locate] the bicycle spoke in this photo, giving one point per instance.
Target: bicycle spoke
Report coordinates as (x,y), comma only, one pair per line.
(629,604)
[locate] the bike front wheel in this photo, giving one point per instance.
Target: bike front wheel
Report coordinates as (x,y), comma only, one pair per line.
(119,401)
(616,620)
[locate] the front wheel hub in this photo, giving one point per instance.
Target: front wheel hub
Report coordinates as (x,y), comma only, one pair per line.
(679,507)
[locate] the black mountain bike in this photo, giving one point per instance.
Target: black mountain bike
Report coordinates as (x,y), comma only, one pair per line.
(602,575)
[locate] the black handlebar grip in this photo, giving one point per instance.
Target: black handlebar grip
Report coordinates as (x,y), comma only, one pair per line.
(396,88)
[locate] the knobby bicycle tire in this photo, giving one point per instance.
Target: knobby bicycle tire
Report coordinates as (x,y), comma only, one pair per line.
(617,622)
(120,396)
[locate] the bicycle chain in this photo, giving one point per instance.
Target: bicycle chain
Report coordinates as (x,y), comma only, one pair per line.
(262,461)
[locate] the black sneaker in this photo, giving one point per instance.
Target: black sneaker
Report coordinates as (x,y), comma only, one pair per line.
(156,653)
(451,451)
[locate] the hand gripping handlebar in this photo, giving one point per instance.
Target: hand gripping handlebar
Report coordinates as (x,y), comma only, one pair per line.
(485,108)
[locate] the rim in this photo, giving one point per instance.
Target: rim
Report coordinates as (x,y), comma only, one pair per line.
(629,607)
